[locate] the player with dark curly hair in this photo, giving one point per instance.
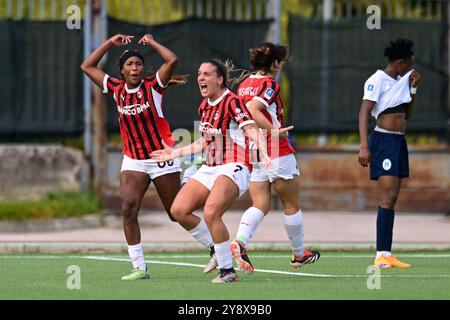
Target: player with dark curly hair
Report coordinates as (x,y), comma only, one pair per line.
(389,96)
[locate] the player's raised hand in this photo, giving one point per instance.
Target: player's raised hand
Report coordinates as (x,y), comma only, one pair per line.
(120,40)
(145,40)
(163,154)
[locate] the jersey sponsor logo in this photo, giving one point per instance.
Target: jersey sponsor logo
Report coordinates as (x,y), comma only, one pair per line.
(248,91)
(269,93)
(206,127)
(370,87)
(133,109)
(241,115)
(387,164)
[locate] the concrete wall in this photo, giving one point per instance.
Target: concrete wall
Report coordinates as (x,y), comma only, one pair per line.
(29,171)
(332,179)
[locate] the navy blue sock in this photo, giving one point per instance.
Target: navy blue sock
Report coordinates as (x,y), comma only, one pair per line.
(385,225)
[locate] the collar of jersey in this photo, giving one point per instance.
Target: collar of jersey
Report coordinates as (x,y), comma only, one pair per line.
(133,90)
(386,76)
(216,102)
(257,76)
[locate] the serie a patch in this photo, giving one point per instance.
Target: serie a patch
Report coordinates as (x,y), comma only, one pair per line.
(269,93)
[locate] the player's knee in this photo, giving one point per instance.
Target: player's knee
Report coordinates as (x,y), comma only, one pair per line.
(211,215)
(388,200)
(129,208)
(177,212)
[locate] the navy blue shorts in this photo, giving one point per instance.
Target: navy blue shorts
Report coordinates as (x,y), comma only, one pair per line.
(389,155)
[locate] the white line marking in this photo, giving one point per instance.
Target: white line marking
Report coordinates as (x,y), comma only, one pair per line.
(108,258)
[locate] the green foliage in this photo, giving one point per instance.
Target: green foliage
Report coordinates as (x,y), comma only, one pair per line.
(52,205)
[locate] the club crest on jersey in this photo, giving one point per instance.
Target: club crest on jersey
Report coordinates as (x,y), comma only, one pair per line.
(370,87)
(216,116)
(269,93)
(139,95)
(123,97)
(237,110)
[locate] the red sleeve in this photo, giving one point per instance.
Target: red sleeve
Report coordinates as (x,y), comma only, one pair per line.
(156,84)
(268,93)
(239,112)
(111,84)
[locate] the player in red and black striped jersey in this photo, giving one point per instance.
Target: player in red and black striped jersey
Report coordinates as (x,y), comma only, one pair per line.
(141,118)
(224,177)
(266,90)
(143,127)
(261,93)
(221,121)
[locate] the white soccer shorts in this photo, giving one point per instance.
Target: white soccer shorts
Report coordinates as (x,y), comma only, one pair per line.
(284,167)
(188,173)
(151,167)
(237,172)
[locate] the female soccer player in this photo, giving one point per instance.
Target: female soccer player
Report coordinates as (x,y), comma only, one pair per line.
(225,173)
(261,93)
(389,96)
(143,129)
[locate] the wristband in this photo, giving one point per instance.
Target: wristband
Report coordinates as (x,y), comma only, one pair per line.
(413,90)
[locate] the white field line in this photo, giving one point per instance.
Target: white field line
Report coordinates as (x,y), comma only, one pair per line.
(202,266)
(206,255)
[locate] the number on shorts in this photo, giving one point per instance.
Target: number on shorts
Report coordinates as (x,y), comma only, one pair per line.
(163,164)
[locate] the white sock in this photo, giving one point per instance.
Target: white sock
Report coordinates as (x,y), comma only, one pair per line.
(223,255)
(249,222)
(295,230)
(137,256)
(202,234)
(387,254)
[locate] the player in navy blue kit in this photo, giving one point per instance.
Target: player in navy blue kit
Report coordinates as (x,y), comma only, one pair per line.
(389,96)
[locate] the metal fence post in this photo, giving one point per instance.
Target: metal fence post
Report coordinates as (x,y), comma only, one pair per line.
(87,108)
(274,32)
(325,80)
(274,12)
(446,13)
(99,156)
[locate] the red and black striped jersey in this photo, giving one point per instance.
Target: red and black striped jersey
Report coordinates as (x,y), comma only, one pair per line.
(267,91)
(221,123)
(141,119)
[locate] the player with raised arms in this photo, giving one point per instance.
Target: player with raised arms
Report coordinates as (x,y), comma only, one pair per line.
(144,129)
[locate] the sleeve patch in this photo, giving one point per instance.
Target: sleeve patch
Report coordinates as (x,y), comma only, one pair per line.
(269,93)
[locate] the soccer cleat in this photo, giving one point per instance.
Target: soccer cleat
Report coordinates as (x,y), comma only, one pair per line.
(382,262)
(226,275)
(394,262)
(308,257)
(212,264)
(137,274)
(239,253)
